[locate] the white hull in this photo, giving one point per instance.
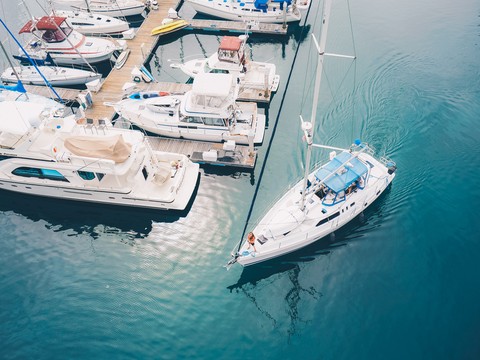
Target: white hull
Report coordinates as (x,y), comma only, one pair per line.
(86,49)
(47,154)
(56,76)
(205,133)
(82,193)
(259,75)
(163,124)
(313,224)
(124,9)
(219,10)
(93,24)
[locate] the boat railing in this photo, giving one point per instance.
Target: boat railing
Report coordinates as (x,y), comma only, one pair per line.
(153,158)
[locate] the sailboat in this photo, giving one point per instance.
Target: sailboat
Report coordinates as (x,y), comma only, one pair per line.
(264,11)
(326,199)
(56,75)
(232,58)
(52,154)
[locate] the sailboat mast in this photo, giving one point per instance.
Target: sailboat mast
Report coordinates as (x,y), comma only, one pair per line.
(318,79)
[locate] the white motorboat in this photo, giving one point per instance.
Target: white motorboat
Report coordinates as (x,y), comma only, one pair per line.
(326,199)
(232,58)
(208,112)
(115,8)
(50,155)
(55,75)
(264,11)
(88,23)
(53,36)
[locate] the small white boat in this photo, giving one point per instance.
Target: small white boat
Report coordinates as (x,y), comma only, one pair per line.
(122,59)
(55,75)
(264,11)
(89,23)
(207,113)
(52,36)
(325,199)
(232,58)
(115,8)
(47,154)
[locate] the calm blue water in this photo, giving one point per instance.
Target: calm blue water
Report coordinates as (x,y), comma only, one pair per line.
(399,282)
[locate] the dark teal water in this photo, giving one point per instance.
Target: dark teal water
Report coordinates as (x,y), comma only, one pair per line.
(399,282)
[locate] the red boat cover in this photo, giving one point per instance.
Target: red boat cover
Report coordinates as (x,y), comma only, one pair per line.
(44,23)
(230,43)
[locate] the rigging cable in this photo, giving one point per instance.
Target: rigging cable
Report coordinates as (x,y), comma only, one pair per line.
(271,139)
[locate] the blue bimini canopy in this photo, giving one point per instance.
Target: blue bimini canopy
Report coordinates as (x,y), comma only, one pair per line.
(343,176)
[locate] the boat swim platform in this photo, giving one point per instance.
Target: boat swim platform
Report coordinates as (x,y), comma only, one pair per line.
(241,157)
(237,26)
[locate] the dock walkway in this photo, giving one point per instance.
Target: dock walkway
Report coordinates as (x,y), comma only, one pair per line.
(141,47)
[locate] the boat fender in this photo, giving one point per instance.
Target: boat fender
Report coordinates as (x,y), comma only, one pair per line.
(163,93)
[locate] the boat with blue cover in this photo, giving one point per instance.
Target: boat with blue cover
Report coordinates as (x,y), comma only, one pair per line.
(264,11)
(326,198)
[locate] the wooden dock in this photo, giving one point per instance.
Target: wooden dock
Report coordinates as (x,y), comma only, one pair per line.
(241,157)
(141,48)
(69,95)
(238,27)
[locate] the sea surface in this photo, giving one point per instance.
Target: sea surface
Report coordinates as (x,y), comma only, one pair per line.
(400,281)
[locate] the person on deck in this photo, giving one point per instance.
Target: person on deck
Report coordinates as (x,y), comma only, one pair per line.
(251,241)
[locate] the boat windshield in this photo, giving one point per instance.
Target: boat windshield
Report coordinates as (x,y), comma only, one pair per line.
(58,35)
(228,55)
(213,121)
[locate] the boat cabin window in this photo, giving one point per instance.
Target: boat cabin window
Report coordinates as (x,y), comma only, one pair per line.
(58,35)
(192,120)
(219,71)
(80,24)
(327,219)
(228,55)
(39,173)
(213,121)
(86,175)
(145,172)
